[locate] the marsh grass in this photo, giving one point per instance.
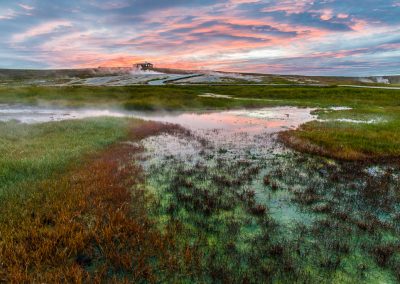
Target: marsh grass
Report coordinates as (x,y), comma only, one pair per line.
(347,141)
(186,97)
(33,152)
(209,221)
(85,219)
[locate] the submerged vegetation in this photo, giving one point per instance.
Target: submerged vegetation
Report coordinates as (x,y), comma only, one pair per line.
(280,218)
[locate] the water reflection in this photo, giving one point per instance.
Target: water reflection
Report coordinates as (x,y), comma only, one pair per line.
(251,121)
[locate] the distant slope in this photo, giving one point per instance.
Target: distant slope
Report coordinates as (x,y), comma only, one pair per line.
(21,74)
(63,76)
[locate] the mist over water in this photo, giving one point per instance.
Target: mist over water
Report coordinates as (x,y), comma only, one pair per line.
(272,119)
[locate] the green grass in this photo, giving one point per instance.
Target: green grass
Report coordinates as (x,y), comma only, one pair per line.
(186,97)
(376,141)
(35,152)
(356,141)
(349,141)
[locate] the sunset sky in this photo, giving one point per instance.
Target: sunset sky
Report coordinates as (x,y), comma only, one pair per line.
(327,37)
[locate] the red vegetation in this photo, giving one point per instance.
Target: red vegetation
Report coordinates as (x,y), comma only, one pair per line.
(89,225)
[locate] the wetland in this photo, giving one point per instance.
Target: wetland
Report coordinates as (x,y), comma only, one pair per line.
(200,184)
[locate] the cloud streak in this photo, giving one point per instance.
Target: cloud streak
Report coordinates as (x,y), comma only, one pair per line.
(330,37)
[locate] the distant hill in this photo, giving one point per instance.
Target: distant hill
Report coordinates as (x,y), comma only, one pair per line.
(21,74)
(122,76)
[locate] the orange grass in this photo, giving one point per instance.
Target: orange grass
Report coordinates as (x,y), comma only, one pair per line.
(90,225)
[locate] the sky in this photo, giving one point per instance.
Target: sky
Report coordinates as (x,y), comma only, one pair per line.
(326,37)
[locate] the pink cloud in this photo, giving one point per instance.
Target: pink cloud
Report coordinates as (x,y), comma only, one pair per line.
(41,29)
(342,16)
(289,6)
(26,7)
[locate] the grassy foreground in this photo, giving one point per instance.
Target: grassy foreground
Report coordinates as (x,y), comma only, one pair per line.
(72,208)
(344,140)
(33,152)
